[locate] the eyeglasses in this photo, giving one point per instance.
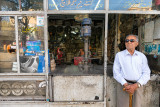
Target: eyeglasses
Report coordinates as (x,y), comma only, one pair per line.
(131,40)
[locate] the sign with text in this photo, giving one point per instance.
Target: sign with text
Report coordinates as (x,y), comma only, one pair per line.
(129,4)
(76,4)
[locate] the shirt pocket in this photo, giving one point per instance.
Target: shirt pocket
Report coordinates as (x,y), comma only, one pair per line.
(139,64)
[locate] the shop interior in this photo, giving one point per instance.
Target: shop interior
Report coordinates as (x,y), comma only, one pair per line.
(146,26)
(67,45)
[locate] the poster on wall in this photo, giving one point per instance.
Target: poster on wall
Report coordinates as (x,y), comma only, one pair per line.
(40,20)
(156,29)
(149,30)
(152,48)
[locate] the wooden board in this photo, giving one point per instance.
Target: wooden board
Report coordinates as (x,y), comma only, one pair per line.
(6,57)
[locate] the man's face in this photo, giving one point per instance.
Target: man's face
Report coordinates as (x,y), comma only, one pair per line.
(131,42)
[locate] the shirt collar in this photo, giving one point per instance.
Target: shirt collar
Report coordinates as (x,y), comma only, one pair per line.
(127,53)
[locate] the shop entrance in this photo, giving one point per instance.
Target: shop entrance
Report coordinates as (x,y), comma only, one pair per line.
(67,44)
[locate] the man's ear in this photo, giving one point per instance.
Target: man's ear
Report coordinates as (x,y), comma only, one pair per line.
(137,44)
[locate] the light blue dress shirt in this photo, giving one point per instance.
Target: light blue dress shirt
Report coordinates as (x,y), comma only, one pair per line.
(131,67)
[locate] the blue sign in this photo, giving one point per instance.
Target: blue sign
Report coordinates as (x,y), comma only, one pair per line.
(128,4)
(76,4)
(159,49)
(151,48)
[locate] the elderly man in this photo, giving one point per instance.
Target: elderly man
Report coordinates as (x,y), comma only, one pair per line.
(132,72)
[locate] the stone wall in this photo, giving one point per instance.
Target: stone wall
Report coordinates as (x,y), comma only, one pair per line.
(151,92)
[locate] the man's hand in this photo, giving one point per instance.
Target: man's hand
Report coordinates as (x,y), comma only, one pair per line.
(125,85)
(131,88)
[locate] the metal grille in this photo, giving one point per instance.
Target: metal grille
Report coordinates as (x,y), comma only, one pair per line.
(19,89)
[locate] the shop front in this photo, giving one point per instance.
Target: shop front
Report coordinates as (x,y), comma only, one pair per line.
(60,52)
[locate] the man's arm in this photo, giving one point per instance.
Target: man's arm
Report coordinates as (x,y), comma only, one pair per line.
(117,71)
(145,72)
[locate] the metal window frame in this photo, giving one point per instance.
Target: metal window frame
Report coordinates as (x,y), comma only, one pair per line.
(27,76)
(105,12)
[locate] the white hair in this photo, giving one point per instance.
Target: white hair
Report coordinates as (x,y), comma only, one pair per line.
(133,35)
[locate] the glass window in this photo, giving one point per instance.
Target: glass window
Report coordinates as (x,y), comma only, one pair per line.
(24,5)
(32,5)
(144,5)
(73,52)
(9,5)
(8,58)
(31,44)
(76,4)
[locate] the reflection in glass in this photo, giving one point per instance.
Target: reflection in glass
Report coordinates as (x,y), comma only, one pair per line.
(31,44)
(156,4)
(9,5)
(32,5)
(8,60)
